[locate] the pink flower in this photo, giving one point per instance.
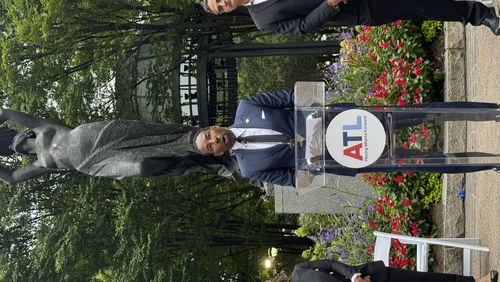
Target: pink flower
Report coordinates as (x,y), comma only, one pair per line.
(417,71)
(400,179)
(404,92)
(405,146)
(396,244)
(397,23)
(417,90)
(400,82)
(401,102)
(394,225)
(414,230)
(418,61)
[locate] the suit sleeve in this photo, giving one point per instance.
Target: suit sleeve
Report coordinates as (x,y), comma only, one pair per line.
(324,266)
(284,176)
(327,265)
(280,99)
(303,25)
(376,269)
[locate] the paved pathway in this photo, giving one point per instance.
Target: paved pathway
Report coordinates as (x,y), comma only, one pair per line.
(482,204)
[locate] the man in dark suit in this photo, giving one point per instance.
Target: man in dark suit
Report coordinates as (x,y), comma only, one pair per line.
(334,271)
(272,113)
(305,16)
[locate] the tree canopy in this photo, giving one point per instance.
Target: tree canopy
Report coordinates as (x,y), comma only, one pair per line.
(73,61)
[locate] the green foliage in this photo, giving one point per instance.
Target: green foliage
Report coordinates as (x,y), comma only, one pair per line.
(343,236)
(135,230)
(350,77)
(398,50)
(261,74)
(99,58)
(431,29)
(383,65)
(433,190)
(402,209)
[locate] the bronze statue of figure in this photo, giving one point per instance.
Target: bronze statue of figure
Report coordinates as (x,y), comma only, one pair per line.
(116,149)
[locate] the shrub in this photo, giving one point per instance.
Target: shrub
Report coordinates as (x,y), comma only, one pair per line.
(431,30)
(383,65)
(344,236)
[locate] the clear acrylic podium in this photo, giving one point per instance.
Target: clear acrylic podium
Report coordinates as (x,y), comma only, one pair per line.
(315,157)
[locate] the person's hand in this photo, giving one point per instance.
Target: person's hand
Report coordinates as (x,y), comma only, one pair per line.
(315,159)
(365,279)
(334,3)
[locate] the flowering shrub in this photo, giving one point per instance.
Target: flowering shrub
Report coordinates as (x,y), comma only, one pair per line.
(343,236)
(402,208)
(384,65)
(350,77)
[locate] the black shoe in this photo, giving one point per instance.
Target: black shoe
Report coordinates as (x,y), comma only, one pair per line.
(493,22)
(493,276)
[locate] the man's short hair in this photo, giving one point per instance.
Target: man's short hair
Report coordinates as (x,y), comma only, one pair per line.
(207,9)
(196,136)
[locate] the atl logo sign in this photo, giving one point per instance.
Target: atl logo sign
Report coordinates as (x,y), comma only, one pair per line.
(355,138)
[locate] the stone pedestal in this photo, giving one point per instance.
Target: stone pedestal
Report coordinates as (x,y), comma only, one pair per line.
(322,200)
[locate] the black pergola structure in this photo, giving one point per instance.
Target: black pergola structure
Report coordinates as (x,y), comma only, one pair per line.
(217,87)
(206,87)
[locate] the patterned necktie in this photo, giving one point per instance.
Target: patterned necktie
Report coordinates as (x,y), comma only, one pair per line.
(275,138)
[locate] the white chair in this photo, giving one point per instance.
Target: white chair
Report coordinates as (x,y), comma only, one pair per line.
(383,244)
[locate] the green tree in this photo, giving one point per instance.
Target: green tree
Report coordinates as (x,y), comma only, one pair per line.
(73,61)
(70,53)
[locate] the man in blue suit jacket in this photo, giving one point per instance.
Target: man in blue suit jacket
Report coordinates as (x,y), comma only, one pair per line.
(273,113)
(305,16)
